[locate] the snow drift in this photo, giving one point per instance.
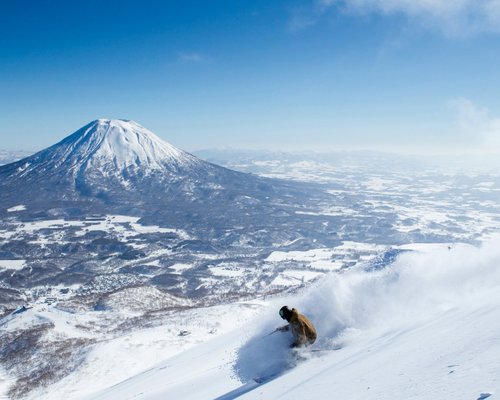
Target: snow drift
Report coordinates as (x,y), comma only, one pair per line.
(418,287)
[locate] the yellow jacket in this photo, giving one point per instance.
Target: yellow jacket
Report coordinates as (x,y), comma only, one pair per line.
(302,329)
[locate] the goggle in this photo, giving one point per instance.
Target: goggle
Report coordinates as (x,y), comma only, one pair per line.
(282,313)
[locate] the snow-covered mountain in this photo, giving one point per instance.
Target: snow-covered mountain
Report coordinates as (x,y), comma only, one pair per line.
(118,166)
(117,192)
(106,161)
(108,148)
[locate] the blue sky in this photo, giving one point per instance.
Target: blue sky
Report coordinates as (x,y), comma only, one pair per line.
(398,75)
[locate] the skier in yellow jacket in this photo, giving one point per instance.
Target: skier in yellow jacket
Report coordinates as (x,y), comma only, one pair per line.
(302,329)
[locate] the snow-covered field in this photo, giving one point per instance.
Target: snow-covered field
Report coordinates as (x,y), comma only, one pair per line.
(423,327)
(122,225)
(430,197)
(20,207)
(12,264)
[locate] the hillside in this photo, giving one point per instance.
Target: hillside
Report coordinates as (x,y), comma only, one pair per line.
(425,326)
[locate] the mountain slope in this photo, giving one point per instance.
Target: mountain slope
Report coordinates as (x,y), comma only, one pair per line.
(426,327)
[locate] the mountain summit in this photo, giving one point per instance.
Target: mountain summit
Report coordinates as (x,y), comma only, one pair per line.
(108,147)
(123,143)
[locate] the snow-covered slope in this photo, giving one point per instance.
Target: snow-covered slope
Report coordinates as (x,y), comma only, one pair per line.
(425,327)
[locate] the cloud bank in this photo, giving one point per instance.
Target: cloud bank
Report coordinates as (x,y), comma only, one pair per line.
(477,125)
(190,57)
(452,17)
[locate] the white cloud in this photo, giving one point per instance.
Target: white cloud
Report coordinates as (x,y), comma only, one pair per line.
(452,17)
(191,57)
(477,124)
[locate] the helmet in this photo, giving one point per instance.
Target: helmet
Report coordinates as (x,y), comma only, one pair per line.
(285,312)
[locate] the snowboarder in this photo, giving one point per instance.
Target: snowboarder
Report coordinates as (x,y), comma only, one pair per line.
(302,329)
